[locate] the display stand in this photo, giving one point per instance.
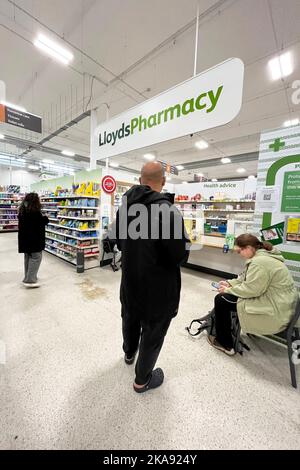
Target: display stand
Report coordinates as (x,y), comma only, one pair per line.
(209,222)
(73,227)
(9,204)
(277,211)
(214,214)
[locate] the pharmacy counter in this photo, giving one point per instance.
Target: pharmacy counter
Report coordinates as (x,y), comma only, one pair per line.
(209,258)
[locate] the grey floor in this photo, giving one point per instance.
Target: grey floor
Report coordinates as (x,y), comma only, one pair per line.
(64,384)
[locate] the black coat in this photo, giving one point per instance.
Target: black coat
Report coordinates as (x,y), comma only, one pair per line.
(151,279)
(32,232)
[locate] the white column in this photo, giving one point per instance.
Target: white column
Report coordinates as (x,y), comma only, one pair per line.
(196,40)
(2,91)
(93,139)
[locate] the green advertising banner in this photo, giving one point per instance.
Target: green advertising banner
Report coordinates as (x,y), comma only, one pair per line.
(291,192)
(273,234)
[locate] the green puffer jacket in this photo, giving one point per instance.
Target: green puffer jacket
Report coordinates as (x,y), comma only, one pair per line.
(267,294)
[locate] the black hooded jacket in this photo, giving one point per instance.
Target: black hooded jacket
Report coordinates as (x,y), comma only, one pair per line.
(151,280)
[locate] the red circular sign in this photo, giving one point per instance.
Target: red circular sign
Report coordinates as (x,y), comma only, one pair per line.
(109,184)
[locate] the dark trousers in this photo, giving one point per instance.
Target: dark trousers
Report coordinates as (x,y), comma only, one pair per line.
(146,335)
(224,305)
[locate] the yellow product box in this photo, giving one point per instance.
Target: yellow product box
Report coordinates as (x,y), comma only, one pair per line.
(293,225)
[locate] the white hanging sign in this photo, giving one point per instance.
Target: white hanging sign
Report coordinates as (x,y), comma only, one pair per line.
(212,98)
(267,199)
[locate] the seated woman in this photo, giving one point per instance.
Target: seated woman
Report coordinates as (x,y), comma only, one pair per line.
(264,295)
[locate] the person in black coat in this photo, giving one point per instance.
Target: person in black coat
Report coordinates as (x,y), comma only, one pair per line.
(151,236)
(31,237)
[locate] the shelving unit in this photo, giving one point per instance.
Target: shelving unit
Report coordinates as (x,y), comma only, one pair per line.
(9,203)
(210,218)
(79,207)
(56,253)
(70,230)
(77,218)
(49,208)
(215,201)
(71,236)
(73,228)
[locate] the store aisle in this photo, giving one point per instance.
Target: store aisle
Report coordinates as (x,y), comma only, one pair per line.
(65,385)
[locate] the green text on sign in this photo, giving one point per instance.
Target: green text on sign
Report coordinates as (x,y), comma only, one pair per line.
(291,192)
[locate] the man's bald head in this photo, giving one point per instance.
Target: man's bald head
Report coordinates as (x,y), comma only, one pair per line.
(152,175)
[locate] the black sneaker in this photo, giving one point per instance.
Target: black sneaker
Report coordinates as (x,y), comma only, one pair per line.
(129,359)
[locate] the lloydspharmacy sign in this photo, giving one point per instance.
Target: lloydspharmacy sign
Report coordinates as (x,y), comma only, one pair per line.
(210,99)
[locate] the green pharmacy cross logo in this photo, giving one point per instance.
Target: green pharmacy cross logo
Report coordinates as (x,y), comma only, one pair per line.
(277,144)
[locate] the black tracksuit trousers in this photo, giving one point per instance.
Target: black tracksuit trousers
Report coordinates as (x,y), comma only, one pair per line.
(224,305)
(147,336)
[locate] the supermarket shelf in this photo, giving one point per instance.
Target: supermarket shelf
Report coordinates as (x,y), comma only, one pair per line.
(49,203)
(62,234)
(78,207)
(229,210)
(70,244)
(76,218)
(214,202)
(63,249)
(60,256)
(59,241)
(8,199)
(221,219)
(71,236)
(9,220)
(75,196)
(72,228)
(90,255)
(243,221)
(86,247)
(240,201)
(216,218)
(50,210)
(8,230)
(214,235)
(54,220)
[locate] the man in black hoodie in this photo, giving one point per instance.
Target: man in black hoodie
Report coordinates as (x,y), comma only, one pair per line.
(151,236)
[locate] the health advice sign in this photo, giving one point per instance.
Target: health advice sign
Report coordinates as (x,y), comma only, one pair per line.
(210,99)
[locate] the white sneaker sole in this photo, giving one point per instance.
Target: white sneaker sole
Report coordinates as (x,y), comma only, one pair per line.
(31,286)
(231,352)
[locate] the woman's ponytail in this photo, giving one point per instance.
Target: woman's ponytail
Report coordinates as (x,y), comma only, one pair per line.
(267,246)
(250,240)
